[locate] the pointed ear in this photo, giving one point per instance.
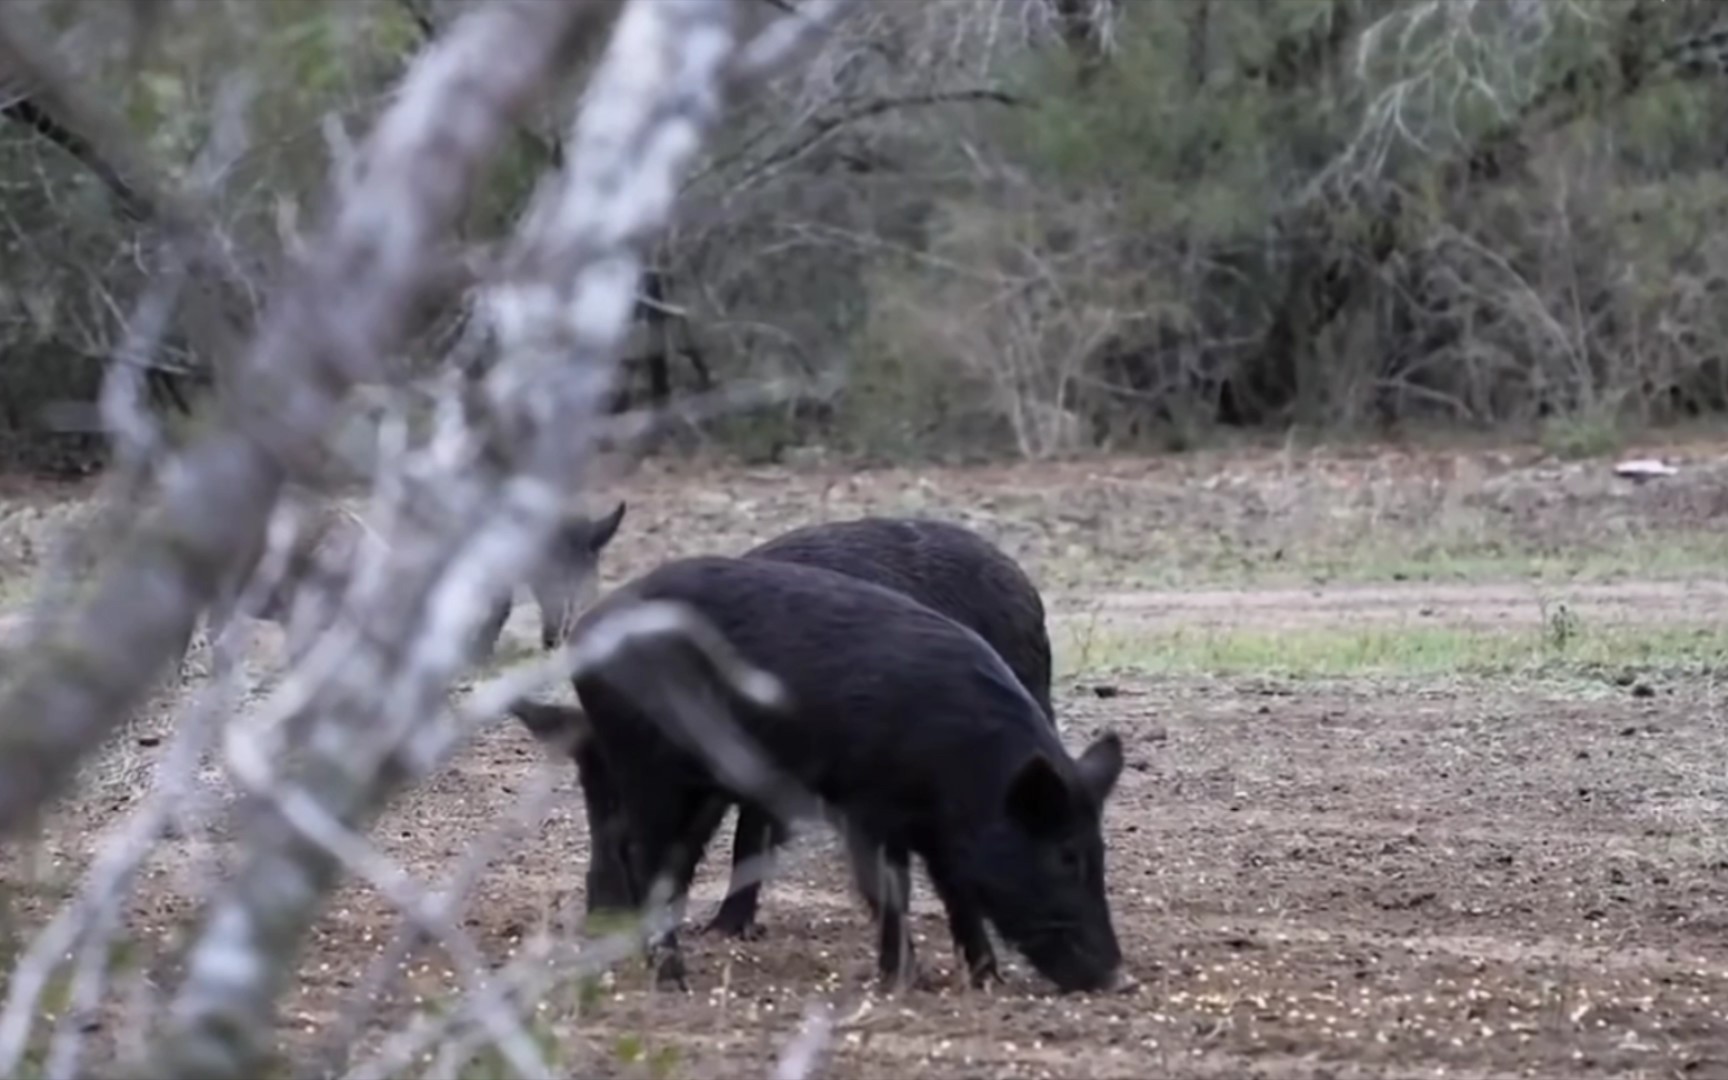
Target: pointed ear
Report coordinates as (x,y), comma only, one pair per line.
(1039,799)
(1101,765)
(603,530)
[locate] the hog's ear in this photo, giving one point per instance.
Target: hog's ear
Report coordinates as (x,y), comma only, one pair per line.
(1101,765)
(1039,799)
(607,527)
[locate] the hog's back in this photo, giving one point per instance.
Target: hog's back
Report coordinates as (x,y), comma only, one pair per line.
(897,710)
(943,566)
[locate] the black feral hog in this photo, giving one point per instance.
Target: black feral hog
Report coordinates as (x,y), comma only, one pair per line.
(943,566)
(324,554)
(909,728)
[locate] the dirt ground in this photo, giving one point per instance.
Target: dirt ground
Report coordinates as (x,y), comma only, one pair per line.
(1369,877)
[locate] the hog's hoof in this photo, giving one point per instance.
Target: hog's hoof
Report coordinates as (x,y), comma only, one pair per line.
(669,973)
(726,926)
(919,981)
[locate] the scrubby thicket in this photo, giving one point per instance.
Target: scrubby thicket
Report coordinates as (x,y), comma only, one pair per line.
(1001,225)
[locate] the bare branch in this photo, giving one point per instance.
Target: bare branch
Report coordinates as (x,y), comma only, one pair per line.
(560,318)
(600,646)
(432,914)
(785,36)
(444,904)
(821,127)
(798,1059)
(92,918)
(456,517)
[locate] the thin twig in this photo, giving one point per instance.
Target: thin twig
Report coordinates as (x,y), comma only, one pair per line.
(799,1057)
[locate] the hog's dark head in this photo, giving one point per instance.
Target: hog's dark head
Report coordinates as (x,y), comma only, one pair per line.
(565,584)
(1038,869)
(566,729)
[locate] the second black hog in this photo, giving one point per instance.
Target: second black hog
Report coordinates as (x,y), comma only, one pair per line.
(912,732)
(946,567)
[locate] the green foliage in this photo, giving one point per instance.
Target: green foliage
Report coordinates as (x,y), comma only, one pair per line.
(1144,133)
(72,264)
(656,1061)
(1581,435)
(905,393)
(1030,286)
(508,183)
(1560,628)
(1563,646)
(1255,221)
(490,1063)
(1337,214)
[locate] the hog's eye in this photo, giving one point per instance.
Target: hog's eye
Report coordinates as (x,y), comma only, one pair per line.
(1071,862)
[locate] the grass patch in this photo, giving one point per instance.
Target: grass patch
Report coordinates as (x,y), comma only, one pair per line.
(1592,433)
(1379,557)
(1563,646)
(1677,557)
(16,588)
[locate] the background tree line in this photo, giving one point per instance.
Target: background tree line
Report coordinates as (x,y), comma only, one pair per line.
(1018,227)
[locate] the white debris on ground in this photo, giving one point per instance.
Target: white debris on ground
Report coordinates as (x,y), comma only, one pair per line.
(1644,469)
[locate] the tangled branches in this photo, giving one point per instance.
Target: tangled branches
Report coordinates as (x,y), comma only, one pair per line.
(458,511)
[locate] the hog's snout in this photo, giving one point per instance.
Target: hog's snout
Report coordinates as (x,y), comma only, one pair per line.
(1104,981)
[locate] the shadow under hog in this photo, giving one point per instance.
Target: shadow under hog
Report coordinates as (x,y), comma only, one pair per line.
(910,729)
(324,553)
(946,567)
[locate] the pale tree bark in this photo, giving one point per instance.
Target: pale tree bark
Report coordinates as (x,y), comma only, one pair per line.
(458,515)
(480,501)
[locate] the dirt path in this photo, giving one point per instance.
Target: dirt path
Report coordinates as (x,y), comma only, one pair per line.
(1465,605)
(1344,880)
(1470,880)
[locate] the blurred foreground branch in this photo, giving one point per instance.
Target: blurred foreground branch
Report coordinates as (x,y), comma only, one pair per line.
(460,512)
(465,516)
(329,325)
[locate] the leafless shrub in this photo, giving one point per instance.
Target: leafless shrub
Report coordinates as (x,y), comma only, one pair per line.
(1281,207)
(1023,326)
